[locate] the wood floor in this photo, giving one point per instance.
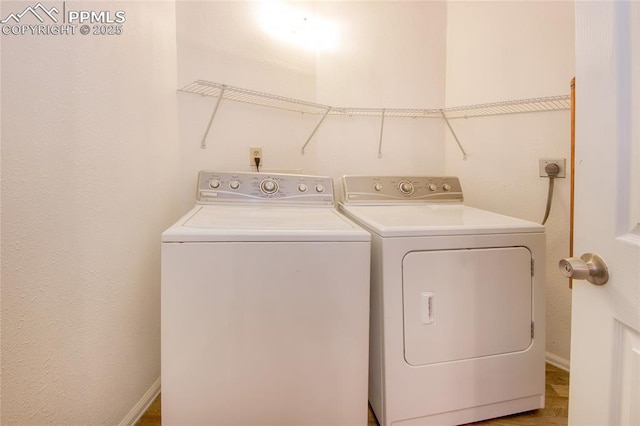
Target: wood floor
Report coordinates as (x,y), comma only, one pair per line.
(554,413)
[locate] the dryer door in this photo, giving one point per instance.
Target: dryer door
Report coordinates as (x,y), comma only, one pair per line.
(467,303)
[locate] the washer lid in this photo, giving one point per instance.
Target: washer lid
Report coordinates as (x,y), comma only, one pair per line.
(264,223)
(435,219)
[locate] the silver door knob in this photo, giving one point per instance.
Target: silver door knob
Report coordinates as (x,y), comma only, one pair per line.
(588,267)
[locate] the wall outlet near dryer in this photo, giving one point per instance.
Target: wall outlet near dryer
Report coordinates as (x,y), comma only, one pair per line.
(561,162)
(255,152)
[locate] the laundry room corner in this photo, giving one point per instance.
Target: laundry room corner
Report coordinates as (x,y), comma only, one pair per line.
(89,155)
(102,144)
(527,54)
(392,55)
(226,43)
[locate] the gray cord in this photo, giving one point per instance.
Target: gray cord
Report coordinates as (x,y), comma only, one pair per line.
(549,197)
(552,170)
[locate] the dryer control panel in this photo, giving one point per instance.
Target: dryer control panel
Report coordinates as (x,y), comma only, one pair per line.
(263,187)
(375,189)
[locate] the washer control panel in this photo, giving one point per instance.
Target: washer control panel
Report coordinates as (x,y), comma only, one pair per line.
(373,189)
(263,187)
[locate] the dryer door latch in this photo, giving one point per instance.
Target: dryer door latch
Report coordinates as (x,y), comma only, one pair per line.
(532,329)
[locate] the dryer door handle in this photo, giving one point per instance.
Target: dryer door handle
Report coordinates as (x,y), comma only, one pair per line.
(426,308)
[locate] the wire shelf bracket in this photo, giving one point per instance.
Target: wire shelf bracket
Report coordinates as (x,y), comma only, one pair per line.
(446,120)
(203,143)
(315,130)
(381,130)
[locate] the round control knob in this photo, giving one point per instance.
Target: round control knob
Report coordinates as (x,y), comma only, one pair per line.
(377,187)
(446,187)
(302,187)
(405,187)
(234,184)
(432,187)
(214,184)
(269,186)
(320,188)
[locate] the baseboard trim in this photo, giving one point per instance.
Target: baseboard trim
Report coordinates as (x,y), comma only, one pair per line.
(141,406)
(557,361)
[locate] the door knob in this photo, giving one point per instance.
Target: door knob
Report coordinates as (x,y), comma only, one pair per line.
(588,267)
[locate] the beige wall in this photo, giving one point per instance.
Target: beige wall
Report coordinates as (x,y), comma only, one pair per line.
(89,149)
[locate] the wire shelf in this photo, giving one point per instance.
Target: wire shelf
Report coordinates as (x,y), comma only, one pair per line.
(550,103)
(238,94)
(391,112)
(207,88)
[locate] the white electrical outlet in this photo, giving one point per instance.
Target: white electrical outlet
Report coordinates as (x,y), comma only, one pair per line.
(561,162)
(255,152)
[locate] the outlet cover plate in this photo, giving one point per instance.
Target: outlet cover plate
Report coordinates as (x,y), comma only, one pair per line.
(255,151)
(562,162)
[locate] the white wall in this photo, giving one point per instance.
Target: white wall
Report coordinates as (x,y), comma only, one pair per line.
(89,149)
(500,51)
(376,64)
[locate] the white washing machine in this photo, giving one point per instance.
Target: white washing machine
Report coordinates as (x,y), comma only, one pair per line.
(457,303)
(265,306)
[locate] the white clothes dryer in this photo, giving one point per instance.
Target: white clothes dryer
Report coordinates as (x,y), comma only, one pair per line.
(265,306)
(457,303)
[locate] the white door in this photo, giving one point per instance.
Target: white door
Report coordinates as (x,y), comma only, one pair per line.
(605,346)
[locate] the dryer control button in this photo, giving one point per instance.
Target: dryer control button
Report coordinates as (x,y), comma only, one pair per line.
(214,184)
(302,187)
(446,187)
(433,187)
(234,184)
(269,186)
(320,188)
(377,187)
(405,187)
